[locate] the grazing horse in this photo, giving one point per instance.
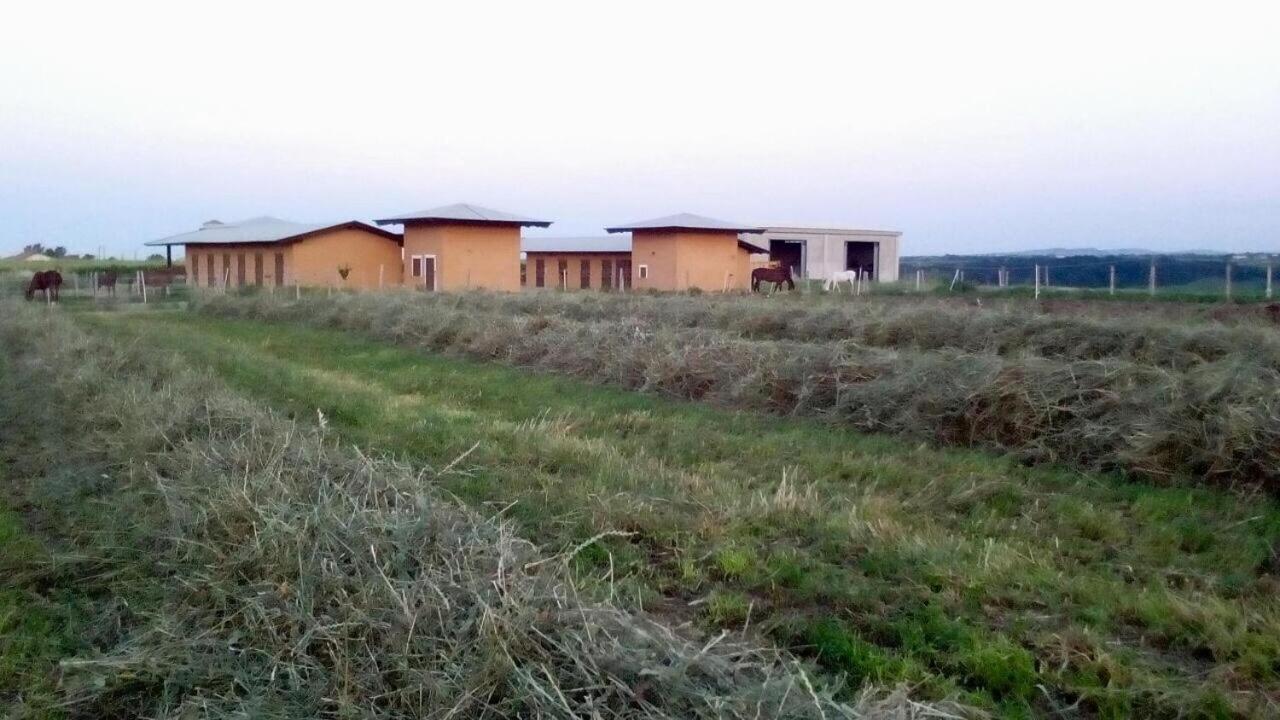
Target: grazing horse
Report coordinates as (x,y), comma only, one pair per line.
(1272,311)
(777,276)
(46,281)
(849,276)
(107,280)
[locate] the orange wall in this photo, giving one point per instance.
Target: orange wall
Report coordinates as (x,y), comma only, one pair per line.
(683,259)
(574,260)
(316,259)
(197,256)
(312,261)
(467,256)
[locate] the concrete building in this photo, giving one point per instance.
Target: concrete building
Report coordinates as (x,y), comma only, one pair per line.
(816,253)
(462,246)
(270,251)
(577,263)
(685,251)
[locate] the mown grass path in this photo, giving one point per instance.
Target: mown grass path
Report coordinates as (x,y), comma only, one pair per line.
(1024,590)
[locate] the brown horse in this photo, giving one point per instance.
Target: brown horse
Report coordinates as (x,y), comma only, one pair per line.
(107,280)
(777,276)
(46,281)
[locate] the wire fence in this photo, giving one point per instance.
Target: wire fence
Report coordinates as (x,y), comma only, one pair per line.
(1164,276)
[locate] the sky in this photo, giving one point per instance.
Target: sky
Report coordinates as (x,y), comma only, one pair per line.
(970,127)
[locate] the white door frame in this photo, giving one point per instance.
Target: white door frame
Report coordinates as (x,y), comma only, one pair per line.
(422,267)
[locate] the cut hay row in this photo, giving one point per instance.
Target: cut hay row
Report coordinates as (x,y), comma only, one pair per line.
(245,566)
(1001,327)
(1216,422)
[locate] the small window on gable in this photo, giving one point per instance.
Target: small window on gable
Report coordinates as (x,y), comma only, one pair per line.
(644,272)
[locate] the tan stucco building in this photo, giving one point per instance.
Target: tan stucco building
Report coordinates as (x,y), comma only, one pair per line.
(267,251)
(461,247)
(686,251)
(577,263)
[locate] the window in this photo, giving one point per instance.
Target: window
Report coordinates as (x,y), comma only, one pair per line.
(644,272)
(539,273)
(195,270)
(415,265)
(585,281)
(606,274)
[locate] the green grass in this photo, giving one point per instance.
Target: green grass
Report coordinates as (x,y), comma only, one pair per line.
(1022,590)
(40,623)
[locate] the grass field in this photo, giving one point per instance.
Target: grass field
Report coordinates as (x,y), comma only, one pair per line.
(1192,397)
(1018,590)
(1022,590)
(177,550)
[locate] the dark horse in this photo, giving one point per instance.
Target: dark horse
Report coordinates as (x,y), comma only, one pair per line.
(46,281)
(107,280)
(777,276)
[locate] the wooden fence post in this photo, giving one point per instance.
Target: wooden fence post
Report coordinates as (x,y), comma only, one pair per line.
(954,279)
(1151,279)
(1227,287)
(142,283)
(1037,282)
(1268,280)
(1112,282)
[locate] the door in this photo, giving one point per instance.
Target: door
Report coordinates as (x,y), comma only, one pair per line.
(624,274)
(209,280)
(539,273)
(584,279)
(429,273)
(562,277)
(226,270)
(279,268)
(606,274)
(257,269)
(240,270)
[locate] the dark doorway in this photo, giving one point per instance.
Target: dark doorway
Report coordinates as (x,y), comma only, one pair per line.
(860,256)
(279,268)
(240,270)
(787,253)
(257,268)
(563,279)
(606,274)
(539,273)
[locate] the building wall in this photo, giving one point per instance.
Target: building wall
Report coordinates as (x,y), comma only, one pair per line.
(312,261)
(574,261)
(228,257)
(684,259)
(315,260)
(824,249)
(467,255)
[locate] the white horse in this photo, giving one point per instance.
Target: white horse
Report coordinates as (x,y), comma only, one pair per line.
(849,276)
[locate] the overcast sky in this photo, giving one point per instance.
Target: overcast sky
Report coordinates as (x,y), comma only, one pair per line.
(971,127)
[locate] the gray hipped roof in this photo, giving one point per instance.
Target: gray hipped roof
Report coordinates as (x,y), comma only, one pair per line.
(263,229)
(464,212)
(600,244)
(685,221)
